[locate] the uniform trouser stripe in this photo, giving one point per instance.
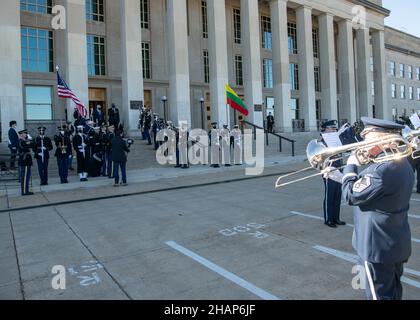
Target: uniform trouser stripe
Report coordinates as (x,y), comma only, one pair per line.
(24,180)
(370,280)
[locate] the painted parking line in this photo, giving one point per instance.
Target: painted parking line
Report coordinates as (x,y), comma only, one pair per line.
(415,200)
(414,216)
(223,272)
(306,215)
(354,259)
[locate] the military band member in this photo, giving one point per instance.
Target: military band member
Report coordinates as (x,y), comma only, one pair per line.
(103,138)
(380,195)
(80,146)
(108,152)
(236,136)
(42,154)
(214,138)
(332,188)
(71,131)
(25,146)
(63,152)
(95,153)
(225,141)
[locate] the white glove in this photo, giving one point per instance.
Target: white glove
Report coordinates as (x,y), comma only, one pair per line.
(333,174)
(352,160)
(43,148)
(84,145)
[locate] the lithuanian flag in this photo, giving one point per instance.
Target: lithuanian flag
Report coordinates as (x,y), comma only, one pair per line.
(235,102)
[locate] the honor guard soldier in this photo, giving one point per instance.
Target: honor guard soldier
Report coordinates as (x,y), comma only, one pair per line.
(103,139)
(236,136)
(25,146)
(108,152)
(214,138)
(42,154)
(225,140)
(332,193)
(80,146)
(63,153)
(71,131)
(380,195)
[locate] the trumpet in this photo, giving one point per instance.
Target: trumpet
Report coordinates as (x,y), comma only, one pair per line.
(392,147)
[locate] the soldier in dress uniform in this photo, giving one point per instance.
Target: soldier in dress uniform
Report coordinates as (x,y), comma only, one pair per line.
(63,152)
(225,141)
(95,159)
(380,195)
(80,146)
(71,131)
(25,146)
(214,139)
(42,154)
(108,151)
(236,136)
(332,193)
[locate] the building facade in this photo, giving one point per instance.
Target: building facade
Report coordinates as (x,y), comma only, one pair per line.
(403,61)
(302,60)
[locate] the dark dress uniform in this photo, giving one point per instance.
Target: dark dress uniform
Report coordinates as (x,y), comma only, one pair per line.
(381,196)
(42,155)
(63,153)
(95,159)
(332,193)
(114,116)
(82,153)
(25,147)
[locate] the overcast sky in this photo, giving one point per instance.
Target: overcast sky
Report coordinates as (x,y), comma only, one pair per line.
(404,15)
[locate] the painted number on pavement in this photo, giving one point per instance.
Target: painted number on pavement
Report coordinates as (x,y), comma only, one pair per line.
(250,229)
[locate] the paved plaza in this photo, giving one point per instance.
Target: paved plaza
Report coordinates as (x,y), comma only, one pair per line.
(198,236)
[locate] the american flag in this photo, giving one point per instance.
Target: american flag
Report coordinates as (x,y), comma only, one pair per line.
(65,92)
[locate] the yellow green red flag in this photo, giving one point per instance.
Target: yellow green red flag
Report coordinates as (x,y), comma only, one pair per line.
(235,102)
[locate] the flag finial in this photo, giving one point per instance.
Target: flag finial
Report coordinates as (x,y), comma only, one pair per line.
(57,68)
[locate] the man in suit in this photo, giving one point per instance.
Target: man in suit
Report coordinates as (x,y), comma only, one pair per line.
(119,158)
(270,122)
(13,144)
(114,116)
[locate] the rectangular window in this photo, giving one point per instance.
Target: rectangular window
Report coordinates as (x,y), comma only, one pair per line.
(237,26)
(371,64)
(317,79)
(372,88)
(95,10)
(206,66)
(239,71)
(394,91)
(146,56)
(266,32)
(315,42)
(294,76)
(37,50)
(292,38)
(268,73)
(392,68)
(96,55)
(144,14)
(38,103)
(418,73)
(402,88)
(411,93)
(402,70)
(294,106)
(418,94)
(37,6)
(204,19)
(410,72)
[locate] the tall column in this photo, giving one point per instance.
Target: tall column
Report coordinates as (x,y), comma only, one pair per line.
(76,64)
(328,67)
(11,102)
(364,77)
(281,76)
(380,76)
(131,59)
(179,74)
(348,108)
(306,67)
(252,59)
(218,61)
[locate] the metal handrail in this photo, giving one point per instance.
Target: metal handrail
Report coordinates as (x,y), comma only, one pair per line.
(274,134)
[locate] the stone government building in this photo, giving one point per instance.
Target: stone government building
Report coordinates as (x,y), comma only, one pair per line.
(302,60)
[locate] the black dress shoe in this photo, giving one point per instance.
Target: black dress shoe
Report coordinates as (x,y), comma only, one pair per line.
(330,224)
(28,194)
(340,223)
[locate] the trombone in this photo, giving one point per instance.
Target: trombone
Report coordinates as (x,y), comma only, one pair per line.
(412,136)
(320,157)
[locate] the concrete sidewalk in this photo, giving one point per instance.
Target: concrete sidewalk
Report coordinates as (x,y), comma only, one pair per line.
(140,180)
